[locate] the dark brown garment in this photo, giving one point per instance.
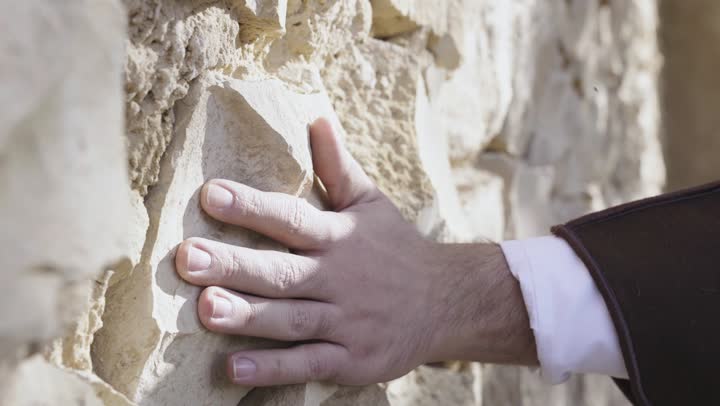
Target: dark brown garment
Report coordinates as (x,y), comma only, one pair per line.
(656,263)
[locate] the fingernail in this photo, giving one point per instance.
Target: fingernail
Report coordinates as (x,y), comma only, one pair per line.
(221,307)
(243,368)
(218,197)
(198,260)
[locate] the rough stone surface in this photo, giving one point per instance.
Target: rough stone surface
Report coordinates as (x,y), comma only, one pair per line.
(427,386)
(584,87)
(251,131)
(35,382)
(378,103)
(480,120)
(64,207)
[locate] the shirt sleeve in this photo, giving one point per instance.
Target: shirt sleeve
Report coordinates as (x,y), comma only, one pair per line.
(573,329)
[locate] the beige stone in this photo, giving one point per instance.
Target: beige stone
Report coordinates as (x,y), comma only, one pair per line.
(261,17)
(585,88)
(63,178)
(480,120)
(37,383)
(426,386)
(251,132)
(393,17)
(375,90)
(170,44)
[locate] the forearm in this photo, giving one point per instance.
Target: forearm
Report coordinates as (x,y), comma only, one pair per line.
(484,315)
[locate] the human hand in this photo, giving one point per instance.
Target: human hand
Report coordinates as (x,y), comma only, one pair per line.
(362,293)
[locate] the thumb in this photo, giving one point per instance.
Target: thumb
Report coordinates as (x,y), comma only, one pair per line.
(345,181)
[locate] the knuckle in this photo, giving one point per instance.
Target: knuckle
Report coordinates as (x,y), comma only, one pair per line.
(323,325)
(317,368)
(297,216)
(300,321)
(287,276)
(246,204)
(250,315)
(234,263)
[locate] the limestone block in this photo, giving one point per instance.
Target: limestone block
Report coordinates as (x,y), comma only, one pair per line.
(316,30)
(62,167)
(470,207)
(374,87)
(471,102)
(37,383)
(106,393)
(452,24)
(481,201)
(73,350)
(393,17)
(317,394)
(366,395)
(170,44)
(426,386)
(152,347)
(311,394)
(261,17)
(584,89)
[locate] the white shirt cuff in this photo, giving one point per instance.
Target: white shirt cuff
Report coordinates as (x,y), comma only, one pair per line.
(572,327)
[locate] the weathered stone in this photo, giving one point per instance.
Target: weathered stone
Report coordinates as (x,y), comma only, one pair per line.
(171,43)
(263,17)
(311,394)
(426,386)
(470,98)
(62,175)
(251,132)
(375,87)
(37,383)
(585,87)
(393,17)
(480,120)
(73,350)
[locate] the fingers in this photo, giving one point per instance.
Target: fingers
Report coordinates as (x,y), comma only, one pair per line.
(260,272)
(284,218)
(304,363)
(228,312)
(344,179)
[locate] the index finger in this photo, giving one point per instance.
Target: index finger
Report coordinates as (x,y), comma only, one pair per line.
(287,219)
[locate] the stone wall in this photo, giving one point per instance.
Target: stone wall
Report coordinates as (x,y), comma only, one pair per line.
(480,119)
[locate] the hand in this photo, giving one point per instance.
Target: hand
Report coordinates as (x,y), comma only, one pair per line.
(363,294)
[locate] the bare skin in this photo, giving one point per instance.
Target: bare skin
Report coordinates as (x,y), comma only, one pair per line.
(364,297)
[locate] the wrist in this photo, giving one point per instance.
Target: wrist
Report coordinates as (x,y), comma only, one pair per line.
(482,315)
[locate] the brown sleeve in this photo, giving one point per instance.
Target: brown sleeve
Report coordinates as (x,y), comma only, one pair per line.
(657,264)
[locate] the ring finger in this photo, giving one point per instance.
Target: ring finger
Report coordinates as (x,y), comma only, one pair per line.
(263,273)
(229,312)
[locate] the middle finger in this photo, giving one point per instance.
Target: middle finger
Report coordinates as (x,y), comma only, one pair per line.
(259,272)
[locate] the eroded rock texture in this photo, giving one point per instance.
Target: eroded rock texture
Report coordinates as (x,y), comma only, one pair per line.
(64,204)
(480,120)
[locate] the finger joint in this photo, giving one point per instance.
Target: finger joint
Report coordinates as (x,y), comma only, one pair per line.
(287,277)
(300,321)
(297,218)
